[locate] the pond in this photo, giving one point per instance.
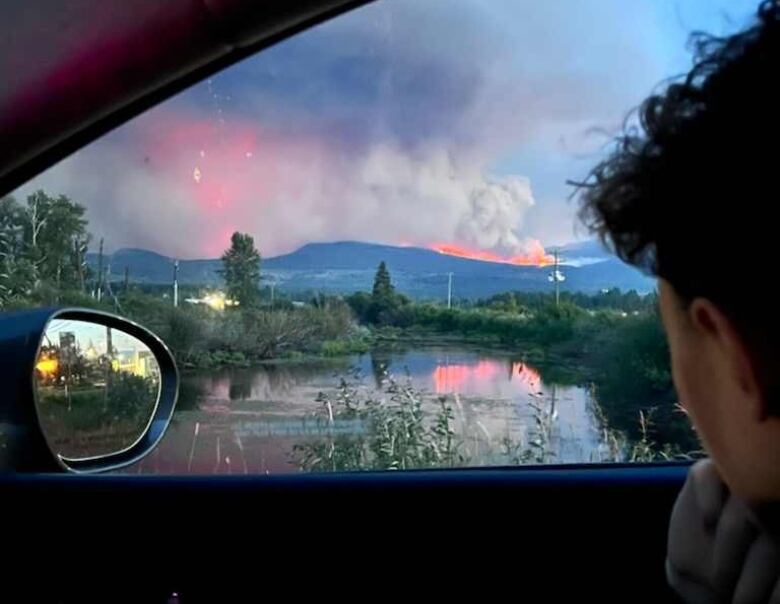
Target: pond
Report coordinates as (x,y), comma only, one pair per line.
(246,420)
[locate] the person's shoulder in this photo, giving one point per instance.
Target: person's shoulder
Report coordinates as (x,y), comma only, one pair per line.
(719,547)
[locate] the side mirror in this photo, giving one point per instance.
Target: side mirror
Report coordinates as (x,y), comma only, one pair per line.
(85,391)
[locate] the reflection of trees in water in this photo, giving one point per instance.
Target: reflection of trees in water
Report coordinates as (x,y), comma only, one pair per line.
(261,382)
(275,379)
(240,388)
(511,364)
(281,379)
(191,391)
(560,374)
(380,366)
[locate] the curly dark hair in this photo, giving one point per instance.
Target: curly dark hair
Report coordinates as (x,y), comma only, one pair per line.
(691,194)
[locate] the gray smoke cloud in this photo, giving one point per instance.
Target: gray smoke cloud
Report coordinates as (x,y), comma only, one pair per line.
(403,122)
(496,215)
(301,193)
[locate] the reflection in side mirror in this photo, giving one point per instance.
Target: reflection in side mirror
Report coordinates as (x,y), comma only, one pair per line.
(84,390)
(97,388)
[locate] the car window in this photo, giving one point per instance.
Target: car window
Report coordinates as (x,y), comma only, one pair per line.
(361,248)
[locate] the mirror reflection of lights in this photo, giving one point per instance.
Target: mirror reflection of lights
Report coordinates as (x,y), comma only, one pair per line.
(47,366)
(96,388)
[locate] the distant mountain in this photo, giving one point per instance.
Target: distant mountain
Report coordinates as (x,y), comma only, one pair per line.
(584,252)
(348,266)
(150,267)
(589,247)
(355,255)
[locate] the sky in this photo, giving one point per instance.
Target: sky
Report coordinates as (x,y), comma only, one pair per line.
(92,334)
(414,122)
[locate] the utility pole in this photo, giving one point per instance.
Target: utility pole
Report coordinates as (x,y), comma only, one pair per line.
(449,290)
(557,284)
(98,291)
(556,277)
(80,253)
(273,285)
(127,278)
(110,290)
(109,367)
(175,283)
(109,343)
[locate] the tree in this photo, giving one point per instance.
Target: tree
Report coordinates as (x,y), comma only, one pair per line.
(16,271)
(55,240)
(43,242)
(241,269)
(360,303)
(64,241)
(383,287)
(8,238)
(385,302)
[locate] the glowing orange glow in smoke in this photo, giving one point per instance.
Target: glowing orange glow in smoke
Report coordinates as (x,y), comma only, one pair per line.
(535,256)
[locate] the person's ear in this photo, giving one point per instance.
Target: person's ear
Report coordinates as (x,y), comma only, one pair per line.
(721,337)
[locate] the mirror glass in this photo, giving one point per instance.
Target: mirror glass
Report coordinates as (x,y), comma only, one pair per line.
(96,387)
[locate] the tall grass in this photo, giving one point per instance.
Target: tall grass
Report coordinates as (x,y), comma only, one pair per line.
(399,427)
(397,433)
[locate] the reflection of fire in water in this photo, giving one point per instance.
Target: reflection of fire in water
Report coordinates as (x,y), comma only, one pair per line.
(528,376)
(452,378)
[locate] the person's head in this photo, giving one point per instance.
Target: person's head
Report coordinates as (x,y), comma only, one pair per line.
(691,196)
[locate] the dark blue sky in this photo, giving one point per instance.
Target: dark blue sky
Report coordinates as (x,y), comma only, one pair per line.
(406,121)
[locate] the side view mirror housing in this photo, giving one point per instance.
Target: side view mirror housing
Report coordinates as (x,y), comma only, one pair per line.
(83,391)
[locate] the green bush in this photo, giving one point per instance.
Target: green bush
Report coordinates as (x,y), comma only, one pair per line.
(335,348)
(633,379)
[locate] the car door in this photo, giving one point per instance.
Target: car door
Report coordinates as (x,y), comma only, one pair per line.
(402,369)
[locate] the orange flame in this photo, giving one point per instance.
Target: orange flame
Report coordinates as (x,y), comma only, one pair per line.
(535,256)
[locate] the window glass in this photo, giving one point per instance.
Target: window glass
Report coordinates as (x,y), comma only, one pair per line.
(360,246)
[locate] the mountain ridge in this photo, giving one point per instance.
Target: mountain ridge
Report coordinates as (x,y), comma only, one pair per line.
(342,267)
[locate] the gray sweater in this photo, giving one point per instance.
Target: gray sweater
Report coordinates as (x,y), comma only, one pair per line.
(719,549)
